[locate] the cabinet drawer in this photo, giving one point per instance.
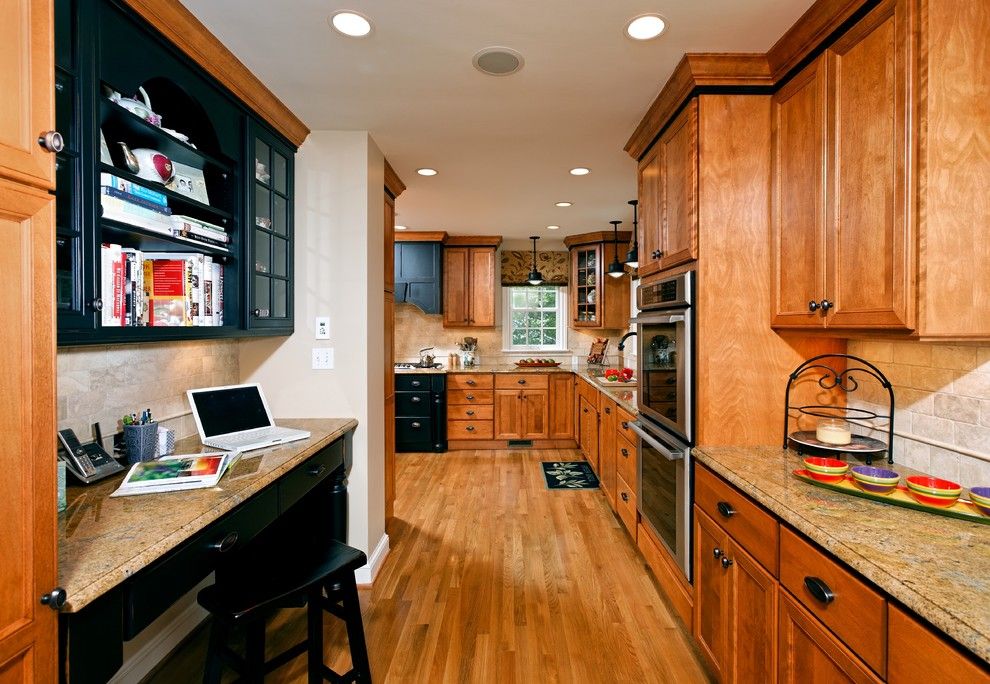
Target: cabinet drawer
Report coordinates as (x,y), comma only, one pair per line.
(150,592)
(522,381)
(588,391)
(468,381)
(918,653)
(413,434)
(413,404)
(306,476)
(751,526)
(469,412)
(625,504)
(470,429)
(463,397)
(855,612)
(626,459)
(413,382)
(622,420)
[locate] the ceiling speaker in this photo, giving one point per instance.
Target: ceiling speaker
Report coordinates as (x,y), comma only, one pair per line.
(498,61)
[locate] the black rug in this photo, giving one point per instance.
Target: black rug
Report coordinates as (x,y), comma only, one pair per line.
(569,475)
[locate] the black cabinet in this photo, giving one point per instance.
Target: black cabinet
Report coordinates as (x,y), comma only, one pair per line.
(420,412)
(419,275)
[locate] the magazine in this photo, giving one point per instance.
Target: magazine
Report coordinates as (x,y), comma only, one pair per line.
(177,473)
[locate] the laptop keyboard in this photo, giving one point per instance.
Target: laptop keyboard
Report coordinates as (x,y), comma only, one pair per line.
(253,438)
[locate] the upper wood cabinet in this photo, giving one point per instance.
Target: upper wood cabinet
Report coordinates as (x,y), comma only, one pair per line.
(598,301)
(668,195)
(389,243)
(469,286)
(842,217)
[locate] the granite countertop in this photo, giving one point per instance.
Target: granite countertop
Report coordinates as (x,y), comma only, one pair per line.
(103,541)
(936,566)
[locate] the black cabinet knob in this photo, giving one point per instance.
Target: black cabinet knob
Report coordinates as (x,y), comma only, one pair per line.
(608,410)
(317,470)
(625,452)
(470,397)
(225,544)
(725,509)
(470,413)
(717,552)
(521,381)
(415,400)
(826,305)
(471,382)
(812,306)
(726,562)
(54,599)
(256,312)
(470,428)
(819,589)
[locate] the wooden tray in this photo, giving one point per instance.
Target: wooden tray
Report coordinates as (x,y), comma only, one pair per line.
(537,365)
(963,509)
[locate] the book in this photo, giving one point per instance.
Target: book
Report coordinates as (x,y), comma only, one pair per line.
(199,227)
(131,188)
(135,200)
(116,209)
(217,293)
(177,473)
(167,287)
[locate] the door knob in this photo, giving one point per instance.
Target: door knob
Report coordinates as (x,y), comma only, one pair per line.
(726,562)
(96,304)
(52,141)
(826,305)
(725,509)
(521,381)
(812,306)
(54,599)
(625,496)
(625,452)
(470,413)
(415,400)
(717,552)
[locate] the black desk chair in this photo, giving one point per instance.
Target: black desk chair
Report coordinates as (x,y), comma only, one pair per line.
(269,576)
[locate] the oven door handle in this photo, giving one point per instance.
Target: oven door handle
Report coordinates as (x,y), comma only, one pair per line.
(649,439)
(657,319)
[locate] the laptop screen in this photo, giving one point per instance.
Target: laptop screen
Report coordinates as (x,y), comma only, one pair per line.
(230,409)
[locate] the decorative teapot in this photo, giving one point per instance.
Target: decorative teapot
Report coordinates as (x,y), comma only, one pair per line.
(141,108)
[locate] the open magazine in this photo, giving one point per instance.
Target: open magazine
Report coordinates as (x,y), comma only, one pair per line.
(177,473)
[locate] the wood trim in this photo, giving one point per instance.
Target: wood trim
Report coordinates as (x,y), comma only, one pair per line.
(697,70)
(474,240)
(673,586)
(821,20)
(421,236)
(393,184)
(489,444)
(187,33)
(603,236)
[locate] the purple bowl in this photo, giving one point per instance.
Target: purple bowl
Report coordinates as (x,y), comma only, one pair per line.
(980,497)
(875,488)
(874,472)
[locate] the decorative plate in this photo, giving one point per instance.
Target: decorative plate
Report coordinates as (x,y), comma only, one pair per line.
(859,444)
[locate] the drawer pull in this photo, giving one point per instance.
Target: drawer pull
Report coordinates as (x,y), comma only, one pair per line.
(317,470)
(415,400)
(625,496)
(717,552)
(625,452)
(819,590)
(608,410)
(470,428)
(416,383)
(470,413)
(725,509)
(471,382)
(225,544)
(470,397)
(726,562)
(585,410)
(625,425)
(521,381)
(54,599)
(416,425)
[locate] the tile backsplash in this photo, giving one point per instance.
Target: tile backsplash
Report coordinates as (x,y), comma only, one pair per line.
(942,405)
(102,383)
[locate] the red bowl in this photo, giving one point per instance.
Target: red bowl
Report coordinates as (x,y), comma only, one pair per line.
(825,477)
(933,486)
(825,466)
(936,501)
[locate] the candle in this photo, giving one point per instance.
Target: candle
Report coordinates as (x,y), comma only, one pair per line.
(833,432)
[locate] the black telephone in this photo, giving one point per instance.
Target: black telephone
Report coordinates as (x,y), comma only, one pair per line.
(88,462)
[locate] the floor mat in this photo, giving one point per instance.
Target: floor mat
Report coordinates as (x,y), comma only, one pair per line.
(569,475)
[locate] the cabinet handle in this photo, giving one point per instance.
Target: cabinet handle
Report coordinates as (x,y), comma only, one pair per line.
(52,141)
(608,410)
(470,428)
(826,305)
(225,544)
(585,410)
(54,599)
(819,589)
(717,552)
(625,425)
(812,306)
(415,400)
(416,425)
(521,381)
(470,397)
(471,382)
(256,313)
(625,452)
(317,470)
(415,383)
(726,562)
(470,413)
(625,497)
(96,304)
(725,509)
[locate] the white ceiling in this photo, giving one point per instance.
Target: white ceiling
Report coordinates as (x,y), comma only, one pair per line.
(503,146)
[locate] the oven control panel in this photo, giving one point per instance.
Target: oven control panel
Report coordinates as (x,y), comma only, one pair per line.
(666,294)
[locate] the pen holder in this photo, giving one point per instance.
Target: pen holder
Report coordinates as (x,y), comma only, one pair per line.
(141,442)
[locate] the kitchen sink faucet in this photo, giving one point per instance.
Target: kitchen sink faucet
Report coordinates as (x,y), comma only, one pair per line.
(622,342)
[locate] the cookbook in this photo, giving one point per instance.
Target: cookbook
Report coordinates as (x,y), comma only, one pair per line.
(177,473)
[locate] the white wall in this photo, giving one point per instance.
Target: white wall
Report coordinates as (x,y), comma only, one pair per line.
(338,273)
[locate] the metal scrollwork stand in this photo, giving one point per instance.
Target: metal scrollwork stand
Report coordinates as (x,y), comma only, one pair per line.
(844,381)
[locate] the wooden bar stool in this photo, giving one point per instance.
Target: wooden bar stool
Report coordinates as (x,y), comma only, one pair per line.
(269,576)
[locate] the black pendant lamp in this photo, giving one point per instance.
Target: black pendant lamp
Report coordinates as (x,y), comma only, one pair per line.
(615,269)
(632,256)
(535,277)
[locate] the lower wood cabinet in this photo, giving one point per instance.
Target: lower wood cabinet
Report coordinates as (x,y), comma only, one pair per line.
(522,414)
(607,439)
(916,653)
(470,411)
(561,405)
(588,431)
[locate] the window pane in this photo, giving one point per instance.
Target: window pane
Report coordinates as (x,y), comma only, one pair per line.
(533,337)
(533,319)
(518,298)
(533,297)
(518,337)
(518,319)
(548,298)
(548,320)
(550,337)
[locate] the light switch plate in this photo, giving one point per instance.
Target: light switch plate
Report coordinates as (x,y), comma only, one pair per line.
(323,327)
(323,358)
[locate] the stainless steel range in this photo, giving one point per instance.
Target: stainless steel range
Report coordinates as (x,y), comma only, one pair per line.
(665,336)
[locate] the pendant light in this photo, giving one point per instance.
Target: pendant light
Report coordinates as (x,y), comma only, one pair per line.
(632,257)
(535,277)
(615,269)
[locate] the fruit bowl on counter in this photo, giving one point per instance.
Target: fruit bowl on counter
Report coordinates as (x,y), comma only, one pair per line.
(537,363)
(617,376)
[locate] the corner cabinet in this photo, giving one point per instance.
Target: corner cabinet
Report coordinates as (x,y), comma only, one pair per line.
(598,301)
(125,119)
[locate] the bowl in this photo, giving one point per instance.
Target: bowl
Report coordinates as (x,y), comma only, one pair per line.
(980,496)
(933,486)
(830,470)
(875,480)
(936,501)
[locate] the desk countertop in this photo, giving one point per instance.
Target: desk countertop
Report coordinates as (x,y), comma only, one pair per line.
(103,541)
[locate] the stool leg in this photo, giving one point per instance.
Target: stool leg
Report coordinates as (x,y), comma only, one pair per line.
(214,661)
(314,636)
(355,629)
(255,655)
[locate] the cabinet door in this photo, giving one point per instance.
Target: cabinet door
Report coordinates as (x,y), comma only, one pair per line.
(482,287)
(389,244)
(919,654)
(607,448)
(870,203)
(534,419)
(270,234)
(586,274)
(28,651)
(418,268)
(711,594)
(798,204)
(649,212)
(752,618)
(589,433)
(26,68)
(807,652)
(456,289)
(679,188)
(508,418)
(561,406)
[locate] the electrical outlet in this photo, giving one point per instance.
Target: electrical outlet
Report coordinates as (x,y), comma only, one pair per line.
(323,327)
(323,358)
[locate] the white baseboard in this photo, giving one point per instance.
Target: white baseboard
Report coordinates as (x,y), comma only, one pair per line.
(365,575)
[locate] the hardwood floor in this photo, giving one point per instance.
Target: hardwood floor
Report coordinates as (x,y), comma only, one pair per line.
(492,577)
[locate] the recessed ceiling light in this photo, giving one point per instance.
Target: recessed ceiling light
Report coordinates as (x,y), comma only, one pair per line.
(553,227)
(400,227)
(350,24)
(426,172)
(562,204)
(646,26)
(580,171)
(498,61)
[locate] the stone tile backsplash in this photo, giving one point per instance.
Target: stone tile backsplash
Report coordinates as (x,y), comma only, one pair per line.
(942,405)
(102,383)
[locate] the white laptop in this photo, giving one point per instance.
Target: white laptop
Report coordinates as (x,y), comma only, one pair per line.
(237,418)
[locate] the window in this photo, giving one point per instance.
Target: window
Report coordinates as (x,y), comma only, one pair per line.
(535,318)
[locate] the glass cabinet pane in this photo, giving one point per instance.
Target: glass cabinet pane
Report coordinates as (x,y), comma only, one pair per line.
(280,256)
(262,162)
(262,207)
(280,215)
(280,299)
(65,271)
(262,252)
(280,173)
(262,297)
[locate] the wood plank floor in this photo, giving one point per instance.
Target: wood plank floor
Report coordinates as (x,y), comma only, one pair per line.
(493,578)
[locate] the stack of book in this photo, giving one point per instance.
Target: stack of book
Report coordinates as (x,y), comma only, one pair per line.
(197,230)
(131,203)
(159,288)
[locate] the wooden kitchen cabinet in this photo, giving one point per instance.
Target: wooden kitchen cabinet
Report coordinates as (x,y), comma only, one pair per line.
(607,439)
(598,301)
(469,286)
(648,183)
(588,431)
(561,419)
(389,252)
(522,406)
(917,654)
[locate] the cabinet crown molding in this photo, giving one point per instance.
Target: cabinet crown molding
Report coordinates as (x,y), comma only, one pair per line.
(598,236)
